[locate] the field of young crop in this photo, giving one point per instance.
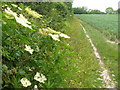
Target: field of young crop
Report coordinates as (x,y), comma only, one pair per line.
(106,23)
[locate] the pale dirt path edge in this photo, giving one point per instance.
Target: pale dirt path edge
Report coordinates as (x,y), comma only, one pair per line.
(106,77)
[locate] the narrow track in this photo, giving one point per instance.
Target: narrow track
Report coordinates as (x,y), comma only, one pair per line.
(106,77)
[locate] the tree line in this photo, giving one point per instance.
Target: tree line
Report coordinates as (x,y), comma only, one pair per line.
(84,10)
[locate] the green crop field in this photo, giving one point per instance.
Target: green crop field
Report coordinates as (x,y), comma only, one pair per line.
(106,23)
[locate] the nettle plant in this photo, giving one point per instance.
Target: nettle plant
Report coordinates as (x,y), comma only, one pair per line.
(31,51)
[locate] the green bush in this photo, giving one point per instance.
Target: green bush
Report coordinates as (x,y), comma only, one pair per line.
(56,12)
(32,44)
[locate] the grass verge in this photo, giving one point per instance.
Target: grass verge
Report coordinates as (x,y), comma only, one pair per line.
(86,67)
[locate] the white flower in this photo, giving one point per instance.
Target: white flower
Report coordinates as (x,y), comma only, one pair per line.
(4,22)
(52,31)
(33,68)
(14,5)
(43,31)
(30,69)
(19,8)
(35,86)
(28,48)
(33,13)
(68,44)
(99,79)
(5,5)
(23,21)
(25,82)
(40,77)
(10,12)
(113,75)
(54,37)
(64,35)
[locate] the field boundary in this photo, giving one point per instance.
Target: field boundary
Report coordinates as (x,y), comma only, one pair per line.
(106,77)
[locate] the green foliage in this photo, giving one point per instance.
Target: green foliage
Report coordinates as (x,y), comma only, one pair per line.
(56,13)
(27,51)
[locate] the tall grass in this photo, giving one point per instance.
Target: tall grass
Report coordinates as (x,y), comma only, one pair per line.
(88,69)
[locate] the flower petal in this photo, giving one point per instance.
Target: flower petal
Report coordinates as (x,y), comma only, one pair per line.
(54,37)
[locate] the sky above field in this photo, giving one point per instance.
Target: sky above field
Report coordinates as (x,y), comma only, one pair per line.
(96,4)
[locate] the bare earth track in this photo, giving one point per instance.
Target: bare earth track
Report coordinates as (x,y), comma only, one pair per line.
(106,77)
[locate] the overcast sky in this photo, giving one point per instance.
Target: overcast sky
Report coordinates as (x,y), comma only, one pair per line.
(96,4)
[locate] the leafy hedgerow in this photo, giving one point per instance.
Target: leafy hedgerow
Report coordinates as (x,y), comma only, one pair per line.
(32,53)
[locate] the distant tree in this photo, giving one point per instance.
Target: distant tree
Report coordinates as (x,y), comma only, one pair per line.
(84,10)
(80,10)
(95,11)
(109,10)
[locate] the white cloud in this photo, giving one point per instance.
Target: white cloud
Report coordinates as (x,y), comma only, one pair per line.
(96,4)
